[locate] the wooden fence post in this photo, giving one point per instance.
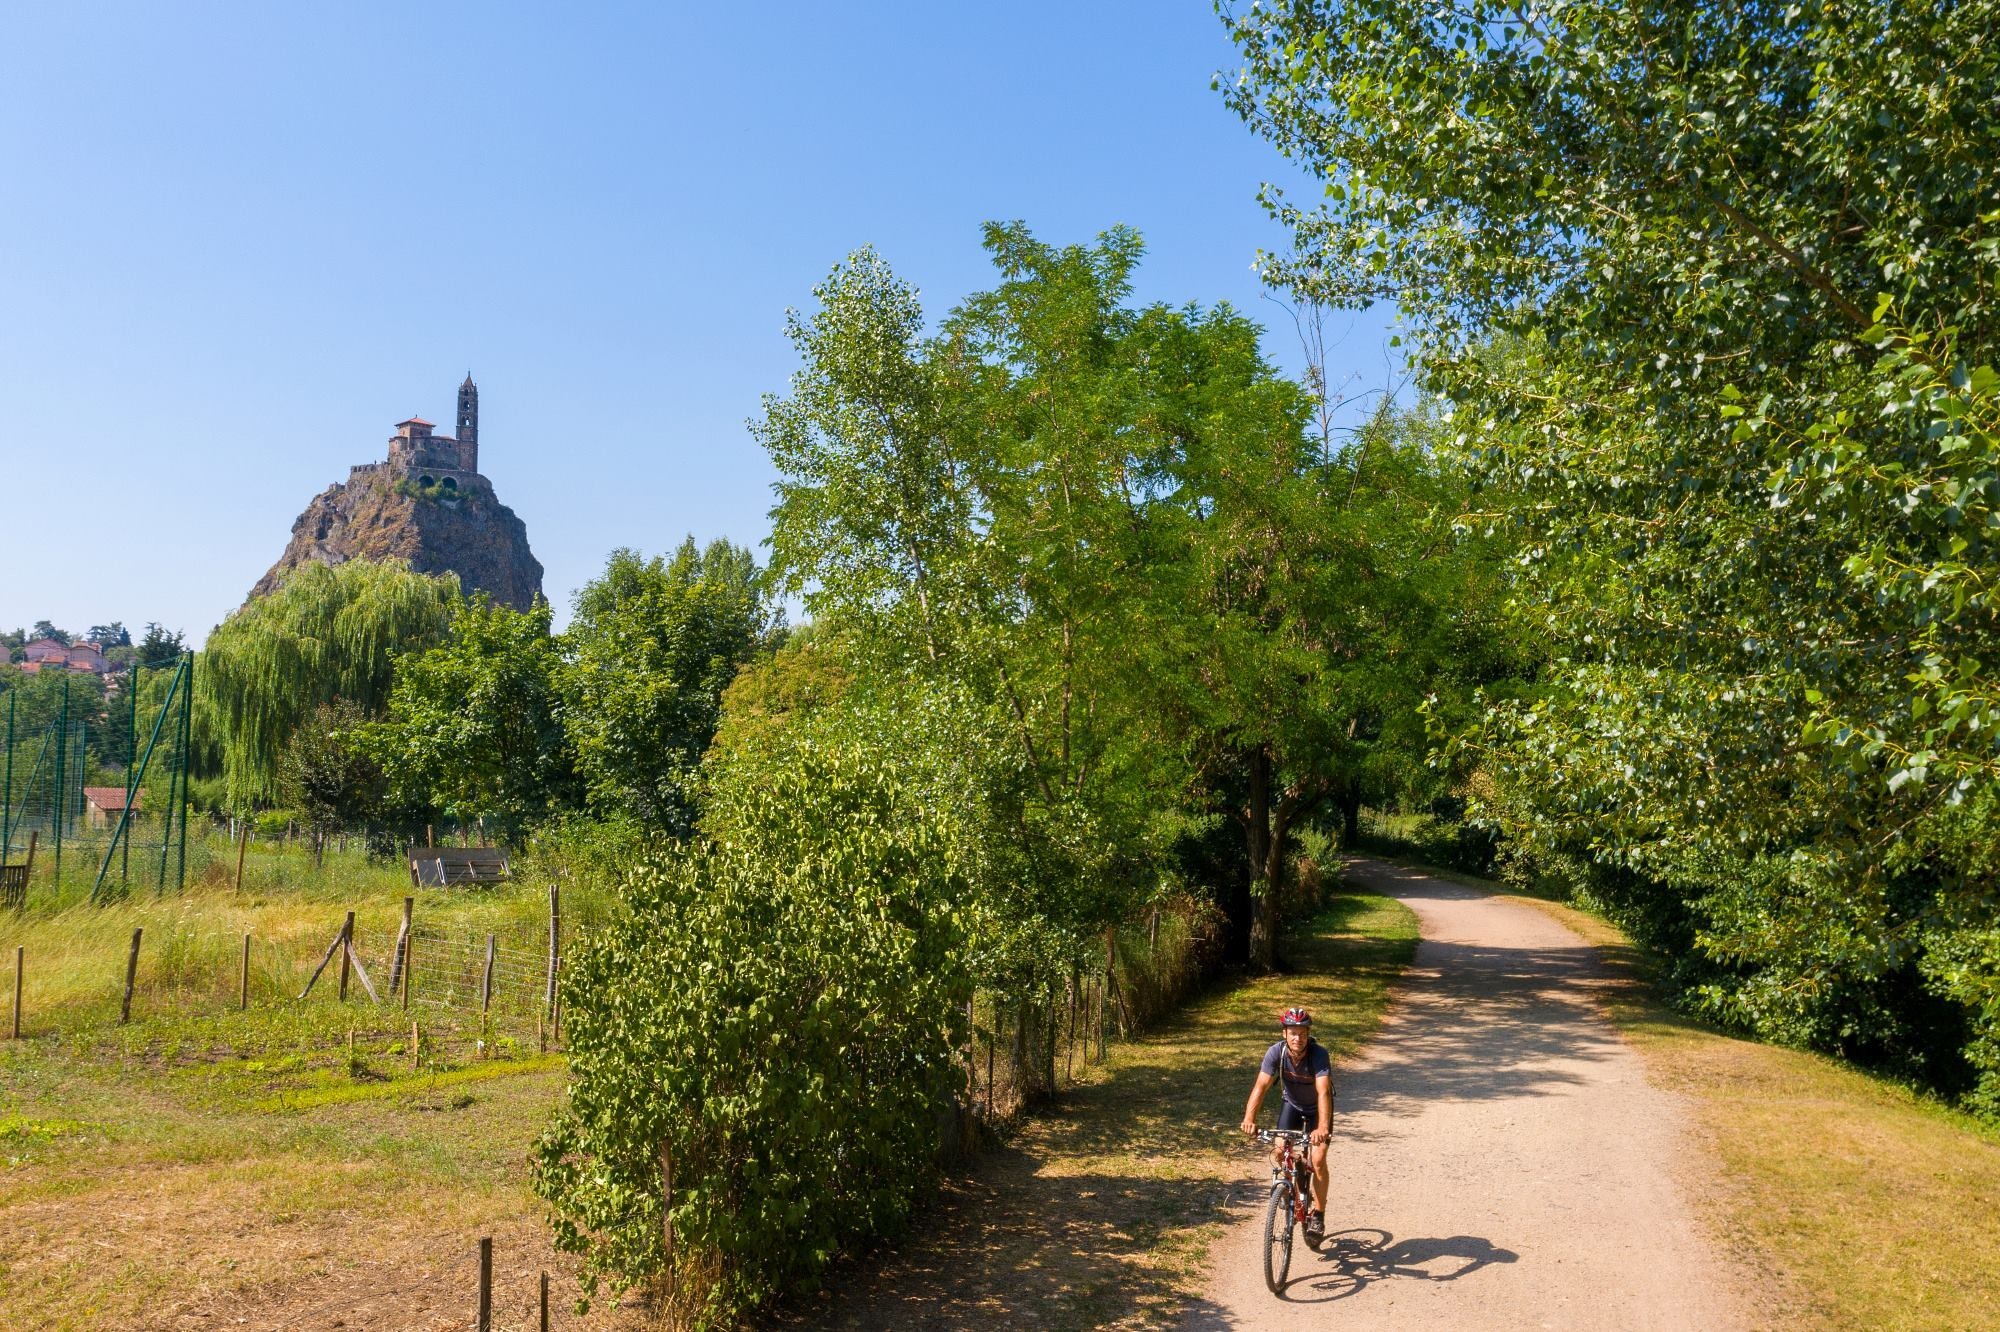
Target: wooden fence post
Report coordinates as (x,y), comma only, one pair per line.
(243,985)
(331,949)
(131,974)
(1017,1054)
(486,980)
(1069,1050)
(242,845)
(346,953)
(20,964)
(555,937)
(1055,1032)
(545,1302)
(486,1283)
(409,968)
(402,944)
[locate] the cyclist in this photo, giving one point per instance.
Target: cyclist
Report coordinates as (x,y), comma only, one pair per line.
(1305,1071)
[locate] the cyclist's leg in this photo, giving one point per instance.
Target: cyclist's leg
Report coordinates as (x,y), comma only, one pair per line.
(1289,1119)
(1322,1177)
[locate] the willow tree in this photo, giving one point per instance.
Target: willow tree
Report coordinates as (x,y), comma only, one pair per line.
(329,632)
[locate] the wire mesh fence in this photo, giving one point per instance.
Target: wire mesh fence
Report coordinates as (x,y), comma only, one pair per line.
(442,993)
(509,1283)
(94,787)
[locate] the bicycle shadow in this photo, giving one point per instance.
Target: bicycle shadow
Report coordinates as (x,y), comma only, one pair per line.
(1350,1261)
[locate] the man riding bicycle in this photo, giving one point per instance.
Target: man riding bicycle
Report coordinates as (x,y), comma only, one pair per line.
(1305,1070)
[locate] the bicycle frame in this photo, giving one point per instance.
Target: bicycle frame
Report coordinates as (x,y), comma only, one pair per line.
(1289,1208)
(1293,1170)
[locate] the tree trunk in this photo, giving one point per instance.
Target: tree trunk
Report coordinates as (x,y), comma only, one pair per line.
(1262,863)
(1267,817)
(1350,815)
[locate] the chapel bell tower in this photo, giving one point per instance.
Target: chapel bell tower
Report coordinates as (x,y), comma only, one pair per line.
(468,425)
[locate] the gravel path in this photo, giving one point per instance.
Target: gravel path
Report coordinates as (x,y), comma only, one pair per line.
(1500,1160)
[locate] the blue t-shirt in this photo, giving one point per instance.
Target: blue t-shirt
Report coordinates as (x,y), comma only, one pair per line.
(1298,1079)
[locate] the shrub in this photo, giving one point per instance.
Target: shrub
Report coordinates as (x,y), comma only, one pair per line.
(777,1014)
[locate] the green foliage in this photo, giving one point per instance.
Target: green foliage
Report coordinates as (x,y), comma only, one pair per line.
(652,646)
(328,632)
(777,1013)
(1711,290)
(1116,526)
(160,647)
(1068,562)
(445,491)
(472,725)
(326,774)
(806,673)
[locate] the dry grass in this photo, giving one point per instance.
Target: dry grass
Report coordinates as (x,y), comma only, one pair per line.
(205,1167)
(1861,1204)
(140,1195)
(1100,1211)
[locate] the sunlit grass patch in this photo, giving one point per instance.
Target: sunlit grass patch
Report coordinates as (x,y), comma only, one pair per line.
(1103,1208)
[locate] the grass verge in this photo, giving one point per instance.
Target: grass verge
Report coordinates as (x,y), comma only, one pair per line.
(1101,1209)
(311,1163)
(1869,1206)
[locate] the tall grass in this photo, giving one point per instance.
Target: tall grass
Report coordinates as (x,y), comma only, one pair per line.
(191,949)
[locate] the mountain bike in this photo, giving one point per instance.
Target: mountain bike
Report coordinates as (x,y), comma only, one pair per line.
(1290,1203)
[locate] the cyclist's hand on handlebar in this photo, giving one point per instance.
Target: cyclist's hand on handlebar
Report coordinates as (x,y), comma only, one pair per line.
(1249,1126)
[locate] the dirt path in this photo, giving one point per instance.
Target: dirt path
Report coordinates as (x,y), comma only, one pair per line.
(1099,1213)
(1500,1159)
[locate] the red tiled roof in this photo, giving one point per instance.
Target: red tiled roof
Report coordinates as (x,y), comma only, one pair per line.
(111,799)
(415,420)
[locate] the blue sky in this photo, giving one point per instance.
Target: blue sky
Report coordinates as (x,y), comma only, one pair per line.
(240,241)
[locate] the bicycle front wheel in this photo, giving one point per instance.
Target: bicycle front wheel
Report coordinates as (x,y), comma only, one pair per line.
(1278,1226)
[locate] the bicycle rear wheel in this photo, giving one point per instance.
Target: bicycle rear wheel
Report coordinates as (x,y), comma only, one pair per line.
(1278,1226)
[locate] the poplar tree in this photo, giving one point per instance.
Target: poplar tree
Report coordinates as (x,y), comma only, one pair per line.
(1711,288)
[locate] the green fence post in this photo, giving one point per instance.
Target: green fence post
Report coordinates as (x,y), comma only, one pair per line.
(125,818)
(7,813)
(187,743)
(173,783)
(131,771)
(62,754)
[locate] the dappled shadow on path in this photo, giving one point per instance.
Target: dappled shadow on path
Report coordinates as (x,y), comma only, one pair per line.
(1012,1247)
(1476,1022)
(1088,1217)
(1482,1021)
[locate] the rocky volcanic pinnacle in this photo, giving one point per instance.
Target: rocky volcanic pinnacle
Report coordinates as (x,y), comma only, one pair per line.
(377,514)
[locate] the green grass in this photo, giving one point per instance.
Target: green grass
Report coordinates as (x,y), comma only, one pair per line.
(1102,1207)
(191,945)
(294,1156)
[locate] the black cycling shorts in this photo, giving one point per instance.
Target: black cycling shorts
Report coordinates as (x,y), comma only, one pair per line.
(1291,1117)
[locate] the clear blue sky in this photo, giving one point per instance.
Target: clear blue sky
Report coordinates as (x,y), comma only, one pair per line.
(238,242)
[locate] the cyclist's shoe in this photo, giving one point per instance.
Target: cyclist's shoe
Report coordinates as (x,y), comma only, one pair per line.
(1316,1226)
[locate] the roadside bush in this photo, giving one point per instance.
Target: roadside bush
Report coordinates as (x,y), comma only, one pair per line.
(776,1016)
(1448,843)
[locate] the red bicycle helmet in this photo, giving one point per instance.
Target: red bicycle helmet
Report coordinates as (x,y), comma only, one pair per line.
(1295,1017)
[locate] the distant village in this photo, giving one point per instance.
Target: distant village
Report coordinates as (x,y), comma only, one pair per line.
(105,651)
